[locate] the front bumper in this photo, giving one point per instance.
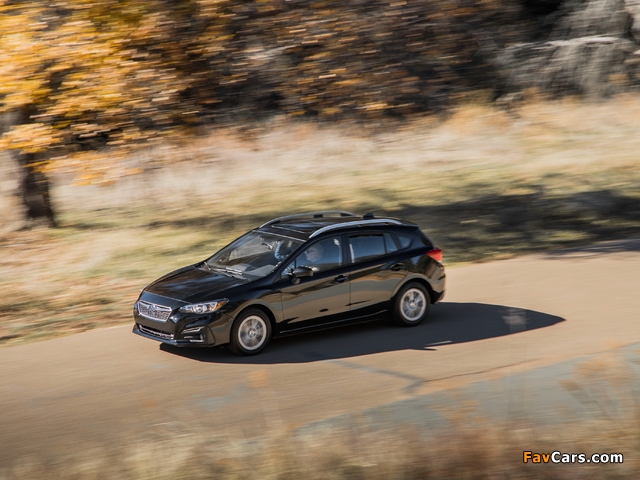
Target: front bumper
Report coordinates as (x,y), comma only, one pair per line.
(184,330)
(205,340)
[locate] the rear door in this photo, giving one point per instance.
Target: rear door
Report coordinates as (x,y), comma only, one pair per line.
(375,271)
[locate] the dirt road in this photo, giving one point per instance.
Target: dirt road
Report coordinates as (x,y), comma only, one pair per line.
(109,387)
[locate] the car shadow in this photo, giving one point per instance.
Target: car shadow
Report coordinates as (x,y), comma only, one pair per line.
(448,323)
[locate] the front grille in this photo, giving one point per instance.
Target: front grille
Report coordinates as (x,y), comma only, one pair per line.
(153,311)
(155,333)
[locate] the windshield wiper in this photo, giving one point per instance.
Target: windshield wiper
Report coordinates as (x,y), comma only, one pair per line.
(233,271)
(217,269)
(226,271)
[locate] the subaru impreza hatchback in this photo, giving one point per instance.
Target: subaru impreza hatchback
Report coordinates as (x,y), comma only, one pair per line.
(293,274)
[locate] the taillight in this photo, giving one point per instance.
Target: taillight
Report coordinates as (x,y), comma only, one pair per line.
(436,254)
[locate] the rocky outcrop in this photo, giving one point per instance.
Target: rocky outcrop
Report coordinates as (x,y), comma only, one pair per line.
(592,50)
(588,18)
(633,9)
(591,66)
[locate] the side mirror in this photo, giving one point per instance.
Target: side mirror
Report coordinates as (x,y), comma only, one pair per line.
(300,272)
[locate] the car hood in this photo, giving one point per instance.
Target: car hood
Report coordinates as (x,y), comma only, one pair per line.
(193,284)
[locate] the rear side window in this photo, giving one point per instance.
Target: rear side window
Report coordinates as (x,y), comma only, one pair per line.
(405,241)
(390,243)
(364,247)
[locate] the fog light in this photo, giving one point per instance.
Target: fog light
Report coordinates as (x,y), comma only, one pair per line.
(192,330)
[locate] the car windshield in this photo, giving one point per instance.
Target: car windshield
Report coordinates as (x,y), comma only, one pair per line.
(253,255)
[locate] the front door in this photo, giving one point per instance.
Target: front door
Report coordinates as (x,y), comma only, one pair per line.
(322,298)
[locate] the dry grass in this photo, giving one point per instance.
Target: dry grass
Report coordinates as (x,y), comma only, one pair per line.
(472,448)
(484,183)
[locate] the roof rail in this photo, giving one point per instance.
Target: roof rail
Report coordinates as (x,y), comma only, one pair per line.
(321,214)
(357,223)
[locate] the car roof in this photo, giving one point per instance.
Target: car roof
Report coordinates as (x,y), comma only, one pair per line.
(311,224)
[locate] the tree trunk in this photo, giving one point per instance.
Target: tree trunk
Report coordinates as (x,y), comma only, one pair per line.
(36,198)
(33,186)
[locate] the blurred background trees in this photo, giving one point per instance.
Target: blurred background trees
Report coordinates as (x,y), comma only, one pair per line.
(83,84)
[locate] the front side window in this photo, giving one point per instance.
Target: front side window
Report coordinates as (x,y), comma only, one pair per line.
(320,256)
(253,255)
(365,247)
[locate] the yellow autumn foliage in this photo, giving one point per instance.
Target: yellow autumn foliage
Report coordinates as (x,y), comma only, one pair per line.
(81,76)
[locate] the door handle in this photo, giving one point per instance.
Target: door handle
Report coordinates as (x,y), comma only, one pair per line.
(397,267)
(340,279)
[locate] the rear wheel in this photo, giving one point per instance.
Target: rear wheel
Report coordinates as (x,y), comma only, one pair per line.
(411,305)
(250,333)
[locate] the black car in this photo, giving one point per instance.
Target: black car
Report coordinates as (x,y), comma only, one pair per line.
(293,274)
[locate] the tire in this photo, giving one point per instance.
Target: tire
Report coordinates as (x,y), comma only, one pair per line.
(411,305)
(251,332)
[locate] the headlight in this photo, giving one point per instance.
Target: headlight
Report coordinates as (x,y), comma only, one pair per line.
(207,307)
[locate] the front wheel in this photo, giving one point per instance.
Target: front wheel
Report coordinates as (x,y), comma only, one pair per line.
(250,333)
(411,305)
